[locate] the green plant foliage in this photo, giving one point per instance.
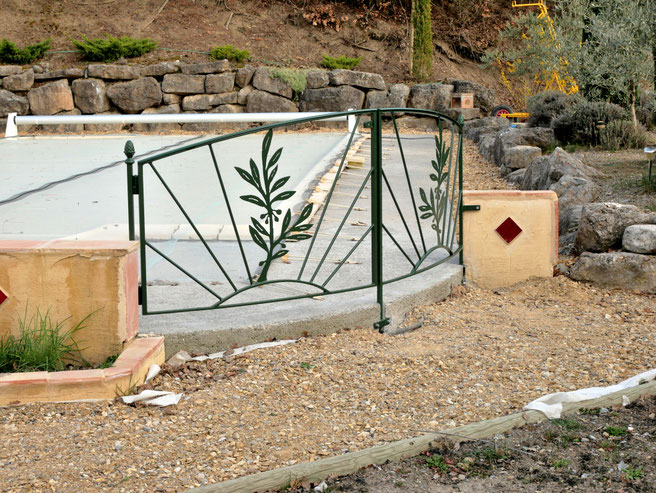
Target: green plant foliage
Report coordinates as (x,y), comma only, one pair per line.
(646,110)
(229,52)
(109,362)
(560,463)
(615,431)
(546,106)
(269,192)
(297,79)
(622,134)
(11,53)
(632,473)
(422,41)
(42,344)
(578,125)
(111,49)
(342,62)
(437,462)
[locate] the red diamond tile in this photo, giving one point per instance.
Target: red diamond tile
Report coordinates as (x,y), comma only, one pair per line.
(508,230)
(3,296)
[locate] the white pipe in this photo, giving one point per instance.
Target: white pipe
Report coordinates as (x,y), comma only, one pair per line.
(13,121)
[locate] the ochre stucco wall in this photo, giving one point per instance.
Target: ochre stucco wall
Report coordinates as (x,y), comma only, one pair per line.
(492,262)
(73,279)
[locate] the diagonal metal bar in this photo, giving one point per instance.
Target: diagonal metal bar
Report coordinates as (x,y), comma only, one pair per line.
(407,177)
(181,269)
(366,233)
(398,208)
(193,226)
(232,217)
(341,225)
(328,197)
(398,245)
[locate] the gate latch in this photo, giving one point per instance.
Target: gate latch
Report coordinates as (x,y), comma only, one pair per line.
(469,208)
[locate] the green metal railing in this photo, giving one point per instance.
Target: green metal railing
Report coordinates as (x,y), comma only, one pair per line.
(412,218)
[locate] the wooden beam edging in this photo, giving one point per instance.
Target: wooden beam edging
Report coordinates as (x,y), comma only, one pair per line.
(353,461)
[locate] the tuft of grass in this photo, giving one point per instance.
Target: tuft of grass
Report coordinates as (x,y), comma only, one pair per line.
(560,463)
(111,49)
(109,362)
(297,79)
(593,411)
(42,344)
(229,52)
(493,455)
(632,473)
(615,431)
(342,62)
(436,461)
(306,366)
(567,423)
(11,53)
(567,439)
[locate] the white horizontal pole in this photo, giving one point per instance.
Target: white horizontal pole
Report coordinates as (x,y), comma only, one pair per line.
(168,118)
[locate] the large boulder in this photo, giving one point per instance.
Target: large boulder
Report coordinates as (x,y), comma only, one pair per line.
(65,73)
(6,70)
(105,127)
(512,137)
(183,84)
(12,103)
(575,190)
(476,129)
(19,82)
(160,69)
(205,68)
(263,81)
(316,79)
(602,225)
(618,269)
(114,72)
(516,177)
(65,127)
(483,96)
(640,238)
(242,95)
(363,80)
(395,97)
(51,98)
(520,157)
(207,101)
(340,98)
(430,96)
(90,95)
(244,75)
(136,95)
(264,102)
(486,146)
(568,224)
(547,170)
(219,83)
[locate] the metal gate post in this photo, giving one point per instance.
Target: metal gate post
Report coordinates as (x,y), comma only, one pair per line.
(377,214)
(129,154)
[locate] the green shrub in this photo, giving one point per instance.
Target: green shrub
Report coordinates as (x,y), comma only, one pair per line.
(422,41)
(578,125)
(10,53)
(111,48)
(297,79)
(343,62)
(546,106)
(646,110)
(229,52)
(621,134)
(42,345)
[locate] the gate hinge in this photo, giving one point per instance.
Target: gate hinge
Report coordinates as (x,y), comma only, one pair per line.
(381,324)
(135,184)
(468,208)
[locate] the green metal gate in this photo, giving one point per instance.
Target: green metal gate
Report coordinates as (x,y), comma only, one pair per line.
(397,215)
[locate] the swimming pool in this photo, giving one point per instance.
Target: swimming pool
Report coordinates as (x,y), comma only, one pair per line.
(75,187)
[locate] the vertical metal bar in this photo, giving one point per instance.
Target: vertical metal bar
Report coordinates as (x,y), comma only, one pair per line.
(459,163)
(377,214)
(142,243)
(129,154)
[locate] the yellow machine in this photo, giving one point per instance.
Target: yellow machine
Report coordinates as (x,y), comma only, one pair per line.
(550,79)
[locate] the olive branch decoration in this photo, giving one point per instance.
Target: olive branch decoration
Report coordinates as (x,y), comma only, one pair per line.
(434,203)
(269,193)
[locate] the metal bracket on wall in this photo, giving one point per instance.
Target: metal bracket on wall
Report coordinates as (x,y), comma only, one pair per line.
(470,208)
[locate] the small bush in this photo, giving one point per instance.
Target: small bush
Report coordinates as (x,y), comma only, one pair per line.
(297,79)
(578,125)
(229,52)
(621,134)
(343,62)
(646,110)
(111,48)
(43,345)
(10,53)
(546,106)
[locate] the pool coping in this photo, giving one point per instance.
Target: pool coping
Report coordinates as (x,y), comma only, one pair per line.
(130,369)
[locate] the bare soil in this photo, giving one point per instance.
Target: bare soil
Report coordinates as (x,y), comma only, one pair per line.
(275,32)
(595,450)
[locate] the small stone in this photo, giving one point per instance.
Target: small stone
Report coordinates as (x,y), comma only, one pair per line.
(118,445)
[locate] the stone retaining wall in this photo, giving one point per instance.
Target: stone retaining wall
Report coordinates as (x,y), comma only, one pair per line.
(212,87)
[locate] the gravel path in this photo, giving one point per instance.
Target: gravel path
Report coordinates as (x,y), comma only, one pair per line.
(479,354)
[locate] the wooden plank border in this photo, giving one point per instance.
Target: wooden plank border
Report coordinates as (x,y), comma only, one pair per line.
(395,451)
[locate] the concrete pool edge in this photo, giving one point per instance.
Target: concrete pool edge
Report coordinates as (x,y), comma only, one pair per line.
(209,331)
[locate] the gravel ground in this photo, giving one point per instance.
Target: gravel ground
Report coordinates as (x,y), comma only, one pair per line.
(479,354)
